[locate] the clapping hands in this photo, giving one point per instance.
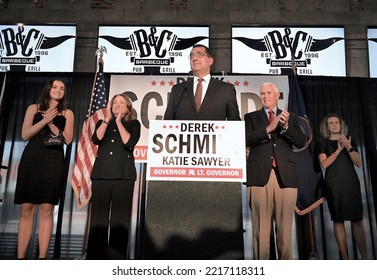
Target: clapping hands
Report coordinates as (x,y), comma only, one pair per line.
(344,142)
(50,114)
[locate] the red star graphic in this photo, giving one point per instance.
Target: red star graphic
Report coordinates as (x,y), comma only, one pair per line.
(246,83)
(171,83)
(164,126)
(236,83)
(162,83)
(177,126)
(153,83)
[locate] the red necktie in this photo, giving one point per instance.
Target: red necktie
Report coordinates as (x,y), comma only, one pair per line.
(271,116)
(198,94)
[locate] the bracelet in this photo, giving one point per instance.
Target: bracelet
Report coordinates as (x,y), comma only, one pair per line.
(106,122)
(351,150)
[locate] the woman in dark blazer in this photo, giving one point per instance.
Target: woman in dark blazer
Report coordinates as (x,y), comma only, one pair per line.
(113,179)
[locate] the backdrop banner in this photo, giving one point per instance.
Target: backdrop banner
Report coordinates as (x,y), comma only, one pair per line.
(150,94)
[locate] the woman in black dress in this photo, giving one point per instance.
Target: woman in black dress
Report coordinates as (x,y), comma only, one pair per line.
(338,155)
(40,173)
(113,179)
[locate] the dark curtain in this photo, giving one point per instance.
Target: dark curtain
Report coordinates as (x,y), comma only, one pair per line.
(355,99)
(368,93)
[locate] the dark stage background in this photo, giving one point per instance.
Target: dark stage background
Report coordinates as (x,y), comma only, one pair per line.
(355,99)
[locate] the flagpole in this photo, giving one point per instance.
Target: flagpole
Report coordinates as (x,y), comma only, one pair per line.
(313,252)
(1,101)
(3,88)
(99,52)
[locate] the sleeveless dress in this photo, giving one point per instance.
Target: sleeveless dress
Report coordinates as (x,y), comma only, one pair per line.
(342,190)
(40,173)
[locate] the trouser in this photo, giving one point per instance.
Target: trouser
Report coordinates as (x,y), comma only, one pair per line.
(272,203)
(110,219)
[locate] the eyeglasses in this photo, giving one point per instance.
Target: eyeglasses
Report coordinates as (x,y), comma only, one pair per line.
(197,54)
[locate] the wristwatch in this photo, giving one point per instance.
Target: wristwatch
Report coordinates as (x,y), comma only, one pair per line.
(351,150)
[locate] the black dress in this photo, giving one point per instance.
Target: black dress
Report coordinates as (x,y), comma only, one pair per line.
(342,189)
(41,168)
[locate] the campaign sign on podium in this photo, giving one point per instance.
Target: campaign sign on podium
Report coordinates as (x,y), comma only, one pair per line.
(197,151)
(195,171)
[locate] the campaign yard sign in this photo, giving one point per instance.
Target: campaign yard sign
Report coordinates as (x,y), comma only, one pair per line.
(196,151)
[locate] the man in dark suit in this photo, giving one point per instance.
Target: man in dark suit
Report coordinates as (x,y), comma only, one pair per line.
(196,219)
(271,172)
(218,100)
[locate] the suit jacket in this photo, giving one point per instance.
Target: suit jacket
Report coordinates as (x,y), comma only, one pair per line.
(115,160)
(219,102)
(263,147)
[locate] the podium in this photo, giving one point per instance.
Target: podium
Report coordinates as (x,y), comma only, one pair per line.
(193,219)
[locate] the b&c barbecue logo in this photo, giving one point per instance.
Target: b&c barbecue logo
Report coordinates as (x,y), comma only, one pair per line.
(23,49)
(281,47)
(153,51)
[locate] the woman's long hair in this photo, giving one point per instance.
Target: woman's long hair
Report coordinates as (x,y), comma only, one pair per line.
(45,98)
(128,116)
(323,129)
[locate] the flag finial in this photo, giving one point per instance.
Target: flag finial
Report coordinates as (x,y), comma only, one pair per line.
(100,51)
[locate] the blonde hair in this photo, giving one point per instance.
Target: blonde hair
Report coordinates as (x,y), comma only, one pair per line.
(323,127)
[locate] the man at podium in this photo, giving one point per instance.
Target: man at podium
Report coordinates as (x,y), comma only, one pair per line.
(196,219)
(216,100)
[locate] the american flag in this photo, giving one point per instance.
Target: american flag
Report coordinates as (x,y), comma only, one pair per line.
(86,150)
